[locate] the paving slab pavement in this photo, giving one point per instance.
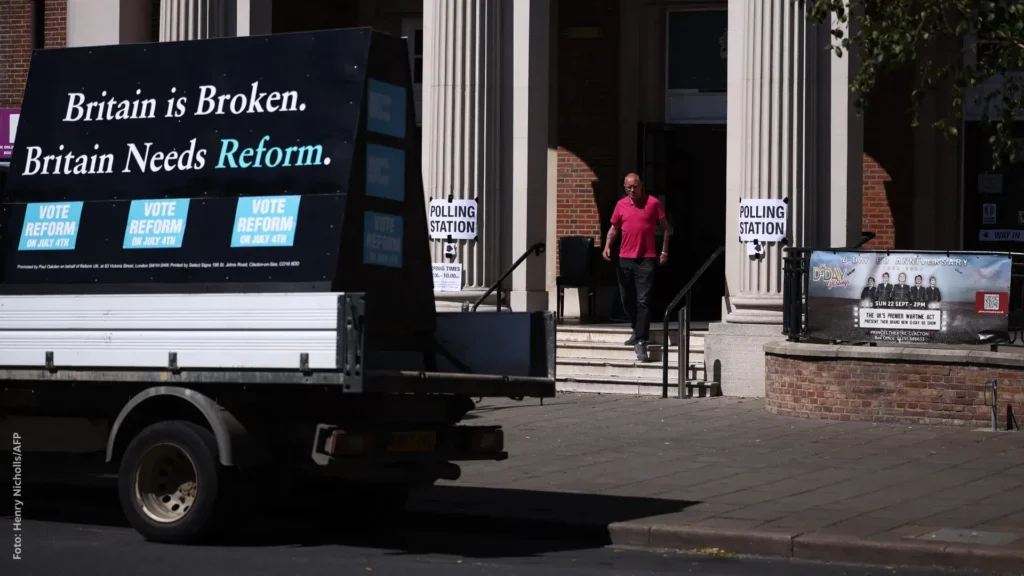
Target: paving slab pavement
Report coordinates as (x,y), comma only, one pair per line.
(724,473)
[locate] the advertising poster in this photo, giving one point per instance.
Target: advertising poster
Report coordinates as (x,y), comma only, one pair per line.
(132,173)
(908,298)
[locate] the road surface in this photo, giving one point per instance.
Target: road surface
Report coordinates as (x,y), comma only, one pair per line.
(81,532)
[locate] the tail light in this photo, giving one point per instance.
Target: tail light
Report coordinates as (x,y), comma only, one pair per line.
(341,442)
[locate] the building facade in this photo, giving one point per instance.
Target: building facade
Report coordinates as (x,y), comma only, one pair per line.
(538,108)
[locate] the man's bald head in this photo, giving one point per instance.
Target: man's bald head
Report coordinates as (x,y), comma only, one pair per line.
(634,187)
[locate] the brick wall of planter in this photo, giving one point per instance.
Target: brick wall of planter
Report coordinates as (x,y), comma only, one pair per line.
(893,385)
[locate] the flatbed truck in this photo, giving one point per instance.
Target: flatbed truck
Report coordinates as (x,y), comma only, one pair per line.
(216,273)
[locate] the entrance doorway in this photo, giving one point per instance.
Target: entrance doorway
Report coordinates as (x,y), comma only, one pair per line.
(993,206)
(684,165)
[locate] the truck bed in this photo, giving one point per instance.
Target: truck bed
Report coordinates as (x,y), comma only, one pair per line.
(266,338)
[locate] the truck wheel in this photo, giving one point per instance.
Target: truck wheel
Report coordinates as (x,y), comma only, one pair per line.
(169,481)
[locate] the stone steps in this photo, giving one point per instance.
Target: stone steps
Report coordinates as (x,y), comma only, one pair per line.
(595,359)
(618,352)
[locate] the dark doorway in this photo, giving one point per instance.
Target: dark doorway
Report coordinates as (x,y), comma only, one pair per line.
(684,165)
(993,209)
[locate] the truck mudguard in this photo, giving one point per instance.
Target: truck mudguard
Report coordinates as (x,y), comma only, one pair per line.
(280,163)
(235,446)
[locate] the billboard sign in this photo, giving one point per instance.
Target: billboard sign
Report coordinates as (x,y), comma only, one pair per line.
(908,298)
(282,163)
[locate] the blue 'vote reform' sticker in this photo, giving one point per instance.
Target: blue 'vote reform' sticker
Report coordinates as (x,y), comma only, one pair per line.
(156,223)
(50,226)
(265,221)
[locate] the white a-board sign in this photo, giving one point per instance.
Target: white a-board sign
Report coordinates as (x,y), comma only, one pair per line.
(762,220)
(447,277)
(455,219)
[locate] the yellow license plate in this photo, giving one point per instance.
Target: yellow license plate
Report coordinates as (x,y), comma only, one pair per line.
(412,442)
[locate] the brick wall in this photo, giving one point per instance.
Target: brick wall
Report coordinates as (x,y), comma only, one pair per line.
(877,216)
(888,391)
(15,50)
(588,117)
(16,43)
(56,23)
(888,162)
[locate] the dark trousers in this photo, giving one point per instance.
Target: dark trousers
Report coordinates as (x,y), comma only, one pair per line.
(636,282)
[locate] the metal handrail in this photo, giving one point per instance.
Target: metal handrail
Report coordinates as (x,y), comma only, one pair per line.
(537,249)
(683,328)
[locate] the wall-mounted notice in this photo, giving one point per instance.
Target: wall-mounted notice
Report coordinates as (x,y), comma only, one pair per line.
(1001,235)
(762,220)
(265,221)
(382,239)
(8,129)
(50,226)
(455,219)
(447,277)
(990,183)
(156,223)
(988,213)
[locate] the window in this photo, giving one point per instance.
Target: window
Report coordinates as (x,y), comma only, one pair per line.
(696,66)
(412,31)
(698,50)
(38,24)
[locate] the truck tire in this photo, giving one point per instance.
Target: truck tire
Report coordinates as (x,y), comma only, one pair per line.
(170,480)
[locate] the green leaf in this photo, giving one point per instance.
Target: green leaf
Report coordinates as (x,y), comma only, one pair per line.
(898,36)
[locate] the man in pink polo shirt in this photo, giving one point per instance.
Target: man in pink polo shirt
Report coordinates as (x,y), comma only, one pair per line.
(637,217)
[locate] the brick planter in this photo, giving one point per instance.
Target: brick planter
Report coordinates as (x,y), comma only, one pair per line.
(892,384)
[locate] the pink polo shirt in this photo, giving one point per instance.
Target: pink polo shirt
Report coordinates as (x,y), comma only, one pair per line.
(637,226)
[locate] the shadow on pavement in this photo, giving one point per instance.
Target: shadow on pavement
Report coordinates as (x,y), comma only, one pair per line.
(464,521)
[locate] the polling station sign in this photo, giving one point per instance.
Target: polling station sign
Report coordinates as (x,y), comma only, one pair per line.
(908,297)
(455,219)
(763,220)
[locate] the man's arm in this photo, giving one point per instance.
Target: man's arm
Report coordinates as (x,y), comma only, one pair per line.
(608,240)
(665,235)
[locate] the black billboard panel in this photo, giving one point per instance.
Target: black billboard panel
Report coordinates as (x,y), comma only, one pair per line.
(270,163)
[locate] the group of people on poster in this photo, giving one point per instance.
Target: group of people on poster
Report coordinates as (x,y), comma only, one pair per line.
(901,294)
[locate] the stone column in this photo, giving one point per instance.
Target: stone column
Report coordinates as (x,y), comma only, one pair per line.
(776,157)
(195,19)
(846,143)
(772,142)
(103,22)
(253,17)
(462,124)
(530,63)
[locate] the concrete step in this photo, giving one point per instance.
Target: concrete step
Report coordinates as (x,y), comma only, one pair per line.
(605,385)
(611,352)
(617,334)
(623,370)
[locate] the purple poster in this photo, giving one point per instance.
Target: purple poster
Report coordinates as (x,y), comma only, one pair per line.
(8,127)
